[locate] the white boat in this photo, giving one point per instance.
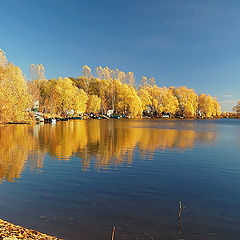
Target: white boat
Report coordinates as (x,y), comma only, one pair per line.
(53,121)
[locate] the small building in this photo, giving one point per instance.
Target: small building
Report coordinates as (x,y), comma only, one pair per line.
(109,112)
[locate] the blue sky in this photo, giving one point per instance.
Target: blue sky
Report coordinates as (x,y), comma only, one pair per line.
(178,42)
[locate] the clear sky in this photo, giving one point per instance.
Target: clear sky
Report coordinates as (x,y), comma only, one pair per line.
(178,42)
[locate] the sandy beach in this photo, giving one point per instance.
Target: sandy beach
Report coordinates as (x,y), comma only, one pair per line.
(9,231)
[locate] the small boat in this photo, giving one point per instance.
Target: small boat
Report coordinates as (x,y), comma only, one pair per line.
(104,117)
(53,121)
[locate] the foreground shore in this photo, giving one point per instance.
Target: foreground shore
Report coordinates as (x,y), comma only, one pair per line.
(9,231)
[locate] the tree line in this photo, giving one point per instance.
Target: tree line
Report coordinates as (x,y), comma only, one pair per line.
(97,93)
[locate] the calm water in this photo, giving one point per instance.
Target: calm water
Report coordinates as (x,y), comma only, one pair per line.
(77,179)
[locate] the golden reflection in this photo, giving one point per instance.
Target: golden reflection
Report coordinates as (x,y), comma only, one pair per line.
(17,143)
(63,139)
(104,142)
(113,142)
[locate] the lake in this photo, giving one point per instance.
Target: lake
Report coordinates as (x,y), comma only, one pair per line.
(80,178)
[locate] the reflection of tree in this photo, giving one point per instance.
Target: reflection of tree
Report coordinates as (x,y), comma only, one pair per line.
(114,142)
(63,140)
(107,142)
(17,143)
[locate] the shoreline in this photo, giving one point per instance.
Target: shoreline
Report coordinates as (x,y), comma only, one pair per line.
(10,231)
(29,122)
(143,118)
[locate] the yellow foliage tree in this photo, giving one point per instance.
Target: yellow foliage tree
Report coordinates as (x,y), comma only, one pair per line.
(124,99)
(217,108)
(188,101)
(135,106)
(208,106)
(145,98)
(94,104)
(169,101)
(14,98)
(69,97)
(128,102)
(108,91)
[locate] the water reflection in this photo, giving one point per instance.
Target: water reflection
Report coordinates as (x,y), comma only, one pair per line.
(108,143)
(16,144)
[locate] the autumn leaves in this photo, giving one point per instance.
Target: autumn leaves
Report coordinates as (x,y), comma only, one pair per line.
(14,97)
(110,89)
